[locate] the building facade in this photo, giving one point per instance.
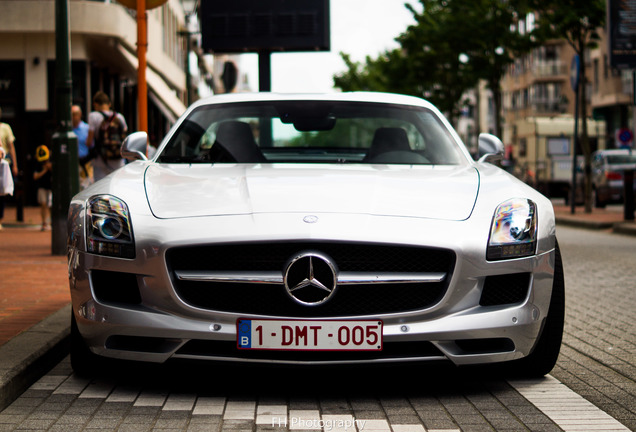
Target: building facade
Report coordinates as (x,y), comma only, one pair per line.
(538,113)
(103,43)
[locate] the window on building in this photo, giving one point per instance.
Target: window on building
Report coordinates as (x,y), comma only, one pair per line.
(596,76)
(523,145)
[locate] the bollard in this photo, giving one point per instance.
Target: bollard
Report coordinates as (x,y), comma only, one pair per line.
(628,189)
(19,197)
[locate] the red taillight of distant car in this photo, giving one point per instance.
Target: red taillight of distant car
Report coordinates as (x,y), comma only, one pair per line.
(611,175)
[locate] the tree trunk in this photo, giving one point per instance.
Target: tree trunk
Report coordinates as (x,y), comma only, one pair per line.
(495,87)
(585,141)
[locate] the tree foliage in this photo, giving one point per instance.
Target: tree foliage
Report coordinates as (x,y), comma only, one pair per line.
(452,45)
(576,21)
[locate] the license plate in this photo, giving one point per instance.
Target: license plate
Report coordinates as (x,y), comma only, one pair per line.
(309,335)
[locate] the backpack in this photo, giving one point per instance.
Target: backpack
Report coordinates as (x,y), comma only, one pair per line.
(109,137)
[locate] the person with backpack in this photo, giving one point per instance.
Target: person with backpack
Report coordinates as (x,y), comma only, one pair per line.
(106,131)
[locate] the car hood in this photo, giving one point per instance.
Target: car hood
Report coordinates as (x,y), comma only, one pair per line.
(439,192)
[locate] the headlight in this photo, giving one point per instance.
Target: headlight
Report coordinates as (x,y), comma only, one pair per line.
(109,230)
(513,233)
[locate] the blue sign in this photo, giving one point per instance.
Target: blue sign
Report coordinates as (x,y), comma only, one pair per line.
(244,333)
(575,72)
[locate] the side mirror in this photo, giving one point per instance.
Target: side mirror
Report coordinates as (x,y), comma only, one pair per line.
(491,148)
(134,146)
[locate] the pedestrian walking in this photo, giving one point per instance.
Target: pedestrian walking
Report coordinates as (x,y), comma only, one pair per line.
(6,179)
(44,182)
(80,128)
(7,143)
(106,131)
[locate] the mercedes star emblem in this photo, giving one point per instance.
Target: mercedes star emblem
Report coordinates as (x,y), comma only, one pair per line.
(310,278)
(310,219)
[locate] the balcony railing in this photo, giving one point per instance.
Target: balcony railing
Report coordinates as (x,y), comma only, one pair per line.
(549,69)
(545,106)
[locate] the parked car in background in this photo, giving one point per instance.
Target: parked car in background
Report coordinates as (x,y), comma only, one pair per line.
(608,167)
(347,228)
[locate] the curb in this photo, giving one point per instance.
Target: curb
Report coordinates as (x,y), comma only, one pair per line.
(578,223)
(38,349)
(628,228)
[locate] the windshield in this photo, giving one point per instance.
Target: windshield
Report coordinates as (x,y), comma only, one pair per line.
(312,132)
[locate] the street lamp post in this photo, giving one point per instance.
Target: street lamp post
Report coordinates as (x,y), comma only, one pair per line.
(64,141)
(140,7)
(142,48)
(575,70)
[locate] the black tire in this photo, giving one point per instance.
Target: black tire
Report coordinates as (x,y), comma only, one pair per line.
(83,361)
(546,351)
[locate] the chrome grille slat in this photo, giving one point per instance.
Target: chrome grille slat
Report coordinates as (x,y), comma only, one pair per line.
(235,277)
(346,278)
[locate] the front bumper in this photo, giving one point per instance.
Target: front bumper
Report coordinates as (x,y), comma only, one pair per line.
(457,328)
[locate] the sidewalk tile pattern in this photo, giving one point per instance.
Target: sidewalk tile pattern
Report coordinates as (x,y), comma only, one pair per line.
(566,408)
(62,402)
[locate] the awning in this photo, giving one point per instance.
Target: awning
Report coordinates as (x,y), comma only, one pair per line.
(557,126)
(167,112)
(160,92)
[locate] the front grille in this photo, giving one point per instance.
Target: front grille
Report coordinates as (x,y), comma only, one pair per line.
(228,349)
(273,300)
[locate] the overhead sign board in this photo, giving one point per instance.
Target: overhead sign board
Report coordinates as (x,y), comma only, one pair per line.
(264,25)
(621,17)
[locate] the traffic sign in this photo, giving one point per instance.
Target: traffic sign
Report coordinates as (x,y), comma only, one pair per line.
(625,137)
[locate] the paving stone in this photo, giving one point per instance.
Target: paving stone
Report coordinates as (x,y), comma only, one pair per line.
(65,428)
(135,427)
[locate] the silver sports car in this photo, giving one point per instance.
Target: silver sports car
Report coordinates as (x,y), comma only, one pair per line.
(350,228)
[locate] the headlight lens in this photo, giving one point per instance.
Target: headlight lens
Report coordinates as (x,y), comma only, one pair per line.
(109,230)
(513,233)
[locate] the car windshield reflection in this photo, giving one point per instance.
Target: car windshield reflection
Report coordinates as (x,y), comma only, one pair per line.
(312,132)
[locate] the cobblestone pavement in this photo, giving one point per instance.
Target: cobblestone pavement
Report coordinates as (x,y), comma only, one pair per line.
(598,355)
(597,362)
(227,399)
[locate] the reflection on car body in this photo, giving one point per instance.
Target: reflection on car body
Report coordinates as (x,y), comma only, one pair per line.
(349,228)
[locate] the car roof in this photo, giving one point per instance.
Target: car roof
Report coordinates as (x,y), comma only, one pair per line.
(375,97)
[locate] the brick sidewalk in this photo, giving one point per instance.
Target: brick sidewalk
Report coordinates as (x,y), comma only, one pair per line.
(33,283)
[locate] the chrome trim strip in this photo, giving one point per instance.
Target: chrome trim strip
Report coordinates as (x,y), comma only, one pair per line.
(234,277)
(355,278)
(345,278)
